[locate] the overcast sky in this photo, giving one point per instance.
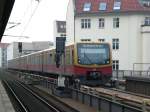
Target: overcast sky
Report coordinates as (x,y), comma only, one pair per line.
(35,18)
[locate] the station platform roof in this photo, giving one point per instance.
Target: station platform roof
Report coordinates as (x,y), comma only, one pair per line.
(5,11)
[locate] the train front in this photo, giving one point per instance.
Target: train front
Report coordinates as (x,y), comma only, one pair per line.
(93,64)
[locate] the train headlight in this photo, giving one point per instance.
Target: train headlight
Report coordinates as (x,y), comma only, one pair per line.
(79,60)
(107,62)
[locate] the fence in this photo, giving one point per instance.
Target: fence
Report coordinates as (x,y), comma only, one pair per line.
(121,74)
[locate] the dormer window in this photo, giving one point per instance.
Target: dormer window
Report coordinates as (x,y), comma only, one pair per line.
(102,6)
(87,6)
(117,4)
(146,3)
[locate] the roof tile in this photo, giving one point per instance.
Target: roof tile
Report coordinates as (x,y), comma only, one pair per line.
(126,6)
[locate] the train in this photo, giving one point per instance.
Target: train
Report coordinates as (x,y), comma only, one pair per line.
(91,63)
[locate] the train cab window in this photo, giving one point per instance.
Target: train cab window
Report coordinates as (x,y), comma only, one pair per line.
(89,54)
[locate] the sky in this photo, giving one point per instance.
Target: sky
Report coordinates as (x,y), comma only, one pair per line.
(35,19)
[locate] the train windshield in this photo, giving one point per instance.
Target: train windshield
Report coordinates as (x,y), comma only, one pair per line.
(89,54)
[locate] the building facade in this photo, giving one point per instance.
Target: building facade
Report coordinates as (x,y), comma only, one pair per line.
(125,24)
(3,54)
(17,49)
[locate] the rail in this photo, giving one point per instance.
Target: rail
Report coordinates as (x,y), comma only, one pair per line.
(22,106)
(93,100)
(15,87)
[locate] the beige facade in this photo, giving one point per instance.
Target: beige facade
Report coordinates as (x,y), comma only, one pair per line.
(134,39)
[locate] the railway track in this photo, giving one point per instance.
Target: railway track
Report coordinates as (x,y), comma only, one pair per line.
(123,97)
(29,101)
(48,98)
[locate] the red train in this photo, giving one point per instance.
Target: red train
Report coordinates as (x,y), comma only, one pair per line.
(91,63)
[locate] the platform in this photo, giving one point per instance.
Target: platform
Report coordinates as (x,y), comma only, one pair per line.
(5,103)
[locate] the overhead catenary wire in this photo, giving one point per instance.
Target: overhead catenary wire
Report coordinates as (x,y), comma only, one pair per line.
(34,11)
(14,24)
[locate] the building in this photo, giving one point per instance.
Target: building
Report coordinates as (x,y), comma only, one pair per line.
(3,54)
(125,24)
(16,49)
(59,29)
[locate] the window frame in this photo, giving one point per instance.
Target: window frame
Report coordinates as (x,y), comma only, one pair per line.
(85,23)
(102,6)
(115,44)
(116,22)
(87,6)
(115,64)
(101,23)
(101,40)
(117,5)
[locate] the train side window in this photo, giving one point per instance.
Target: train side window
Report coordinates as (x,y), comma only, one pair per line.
(68,57)
(72,56)
(70,51)
(44,58)
(49,56)
(53,58)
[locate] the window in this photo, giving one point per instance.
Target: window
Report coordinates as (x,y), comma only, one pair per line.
(101,40)
(115,65)
(85,40)
(102,6)
(101,23)
(85,23)
(68,57)
(146,3)
(116,22)
(63,35)
(115,44)
(147,21)
(87,6)
(117,4)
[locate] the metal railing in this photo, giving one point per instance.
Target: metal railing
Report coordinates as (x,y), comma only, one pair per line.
(121,74)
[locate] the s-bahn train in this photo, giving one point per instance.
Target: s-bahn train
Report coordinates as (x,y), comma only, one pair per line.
(91,63)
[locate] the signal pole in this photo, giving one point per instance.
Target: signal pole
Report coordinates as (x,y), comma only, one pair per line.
(60,52)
